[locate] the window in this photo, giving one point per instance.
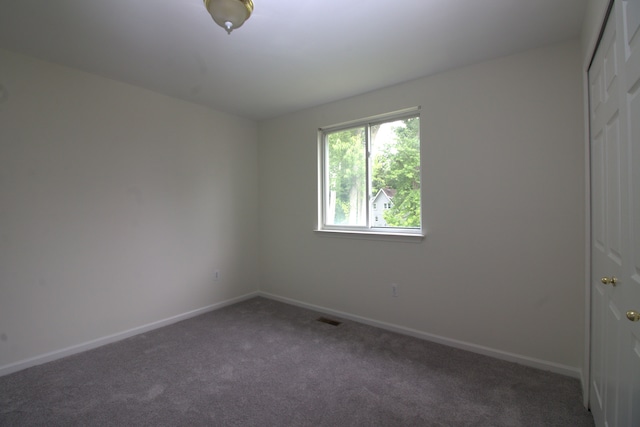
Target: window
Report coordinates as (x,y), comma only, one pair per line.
(370,162)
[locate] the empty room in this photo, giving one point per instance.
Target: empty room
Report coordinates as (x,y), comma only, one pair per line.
(320,213)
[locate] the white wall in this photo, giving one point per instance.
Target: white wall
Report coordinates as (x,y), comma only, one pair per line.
(503,263)
(116,206)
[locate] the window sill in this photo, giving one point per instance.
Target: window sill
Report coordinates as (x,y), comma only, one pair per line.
(372,235)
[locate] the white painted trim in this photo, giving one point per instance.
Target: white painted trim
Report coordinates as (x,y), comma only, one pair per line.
(589,54)
(595,38)
(398,236)
(98,342)
(586,364)
(498,354)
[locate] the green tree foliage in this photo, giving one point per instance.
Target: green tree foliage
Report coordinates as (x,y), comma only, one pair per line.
(397,166)
(347,177)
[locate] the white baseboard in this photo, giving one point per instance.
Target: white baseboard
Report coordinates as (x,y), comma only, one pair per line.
(98,342)
(498,354)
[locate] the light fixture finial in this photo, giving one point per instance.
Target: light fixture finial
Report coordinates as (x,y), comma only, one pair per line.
(229,14)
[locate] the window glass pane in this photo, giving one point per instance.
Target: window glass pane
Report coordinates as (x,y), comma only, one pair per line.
(346,197)
(395,176)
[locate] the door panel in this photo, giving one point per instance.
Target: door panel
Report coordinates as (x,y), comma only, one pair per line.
(613,206)
(598,202)
(603,102)
(629,400)
(612,379)
(597,352)
(614,84)
(632,23)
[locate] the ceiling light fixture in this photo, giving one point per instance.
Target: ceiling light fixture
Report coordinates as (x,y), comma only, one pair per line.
(229,14)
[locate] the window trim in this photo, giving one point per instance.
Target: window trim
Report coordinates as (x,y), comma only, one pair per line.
(377,233)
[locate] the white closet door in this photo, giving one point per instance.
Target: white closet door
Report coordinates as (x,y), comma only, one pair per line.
(614,89)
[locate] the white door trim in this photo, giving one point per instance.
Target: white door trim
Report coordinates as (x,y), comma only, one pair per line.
(589,54)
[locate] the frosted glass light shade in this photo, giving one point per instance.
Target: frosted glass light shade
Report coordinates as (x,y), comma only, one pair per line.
(229,14)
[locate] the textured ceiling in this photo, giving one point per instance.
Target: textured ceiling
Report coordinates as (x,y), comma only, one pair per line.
(290,55)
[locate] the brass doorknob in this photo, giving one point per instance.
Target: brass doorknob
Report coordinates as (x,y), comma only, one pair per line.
(609,281)
(634,316)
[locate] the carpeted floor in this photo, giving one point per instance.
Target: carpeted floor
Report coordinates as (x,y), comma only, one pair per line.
(264,363)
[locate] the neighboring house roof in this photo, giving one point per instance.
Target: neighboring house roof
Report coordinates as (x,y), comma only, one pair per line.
(388,192)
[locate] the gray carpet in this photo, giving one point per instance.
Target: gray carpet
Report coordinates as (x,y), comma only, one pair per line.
(264,363)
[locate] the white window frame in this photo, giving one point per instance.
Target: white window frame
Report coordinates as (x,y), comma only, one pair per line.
(408,234)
